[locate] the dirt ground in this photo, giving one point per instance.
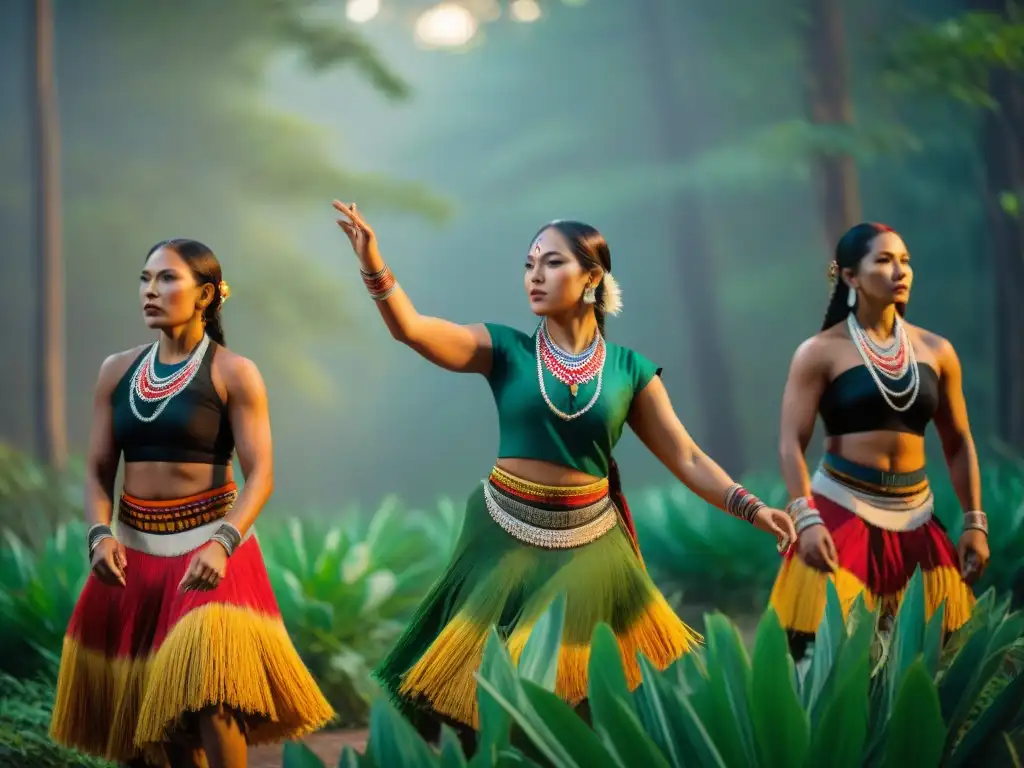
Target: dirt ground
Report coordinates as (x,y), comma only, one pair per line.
(326,744)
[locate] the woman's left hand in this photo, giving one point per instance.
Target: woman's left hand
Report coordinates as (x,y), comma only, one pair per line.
(779,523)
(207,568)
(974,554)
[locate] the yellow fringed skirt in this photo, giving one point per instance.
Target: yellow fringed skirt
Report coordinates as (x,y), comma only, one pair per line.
(139,660)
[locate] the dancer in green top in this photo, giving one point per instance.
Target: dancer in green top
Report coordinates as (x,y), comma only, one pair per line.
(551,516)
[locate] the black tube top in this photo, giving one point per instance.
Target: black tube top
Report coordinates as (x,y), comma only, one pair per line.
(852,403)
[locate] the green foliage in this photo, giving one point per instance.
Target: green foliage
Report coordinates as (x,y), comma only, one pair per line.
(346,589)
(34,499)
(956,57)
(726,709)
(25,709)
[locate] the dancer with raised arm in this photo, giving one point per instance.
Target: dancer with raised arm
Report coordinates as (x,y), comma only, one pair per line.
(176,650)
(865,519)
(551,517)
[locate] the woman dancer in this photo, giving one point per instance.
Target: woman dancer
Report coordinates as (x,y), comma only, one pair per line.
(176,646)
(551,517)
(865,519)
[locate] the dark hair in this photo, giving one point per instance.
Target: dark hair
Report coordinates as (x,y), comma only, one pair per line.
(591,251)
(853,246)
(205,269)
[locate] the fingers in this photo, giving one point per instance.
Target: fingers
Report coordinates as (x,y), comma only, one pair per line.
(200,577)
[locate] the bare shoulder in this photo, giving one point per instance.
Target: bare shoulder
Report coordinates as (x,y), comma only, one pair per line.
(936,344)
(813,354)
(239,373)
(116,365)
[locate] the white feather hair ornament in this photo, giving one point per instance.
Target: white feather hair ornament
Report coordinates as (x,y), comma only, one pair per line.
(611,301)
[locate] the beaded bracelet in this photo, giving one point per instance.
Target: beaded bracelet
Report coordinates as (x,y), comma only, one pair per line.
(741,503)
(381,284)
(228,537)
(976,520)
(96,534)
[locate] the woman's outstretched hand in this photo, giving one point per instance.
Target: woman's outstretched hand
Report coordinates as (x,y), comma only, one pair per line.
(776,522)
(360,234)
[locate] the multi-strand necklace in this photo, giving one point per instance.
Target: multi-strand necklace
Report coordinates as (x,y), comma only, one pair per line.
(890,362)
(148,387)
(570,369)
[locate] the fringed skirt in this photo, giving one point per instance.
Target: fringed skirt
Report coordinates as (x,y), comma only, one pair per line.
(139,661)
(883,529)
(521,545)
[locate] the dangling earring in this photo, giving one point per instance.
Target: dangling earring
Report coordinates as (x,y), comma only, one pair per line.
(590,295)
(851,298)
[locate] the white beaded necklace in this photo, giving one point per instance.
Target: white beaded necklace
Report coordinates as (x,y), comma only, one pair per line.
(134,390)
(861,341)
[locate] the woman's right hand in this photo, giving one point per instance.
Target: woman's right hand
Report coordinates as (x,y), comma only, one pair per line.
(817,549)
(109,562)
(360,234)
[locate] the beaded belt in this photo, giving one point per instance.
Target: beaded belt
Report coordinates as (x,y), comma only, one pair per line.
(901,510)
(171,527)
(549,517)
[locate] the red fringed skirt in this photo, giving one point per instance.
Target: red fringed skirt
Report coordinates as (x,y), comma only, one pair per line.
(139,659)
(875,562)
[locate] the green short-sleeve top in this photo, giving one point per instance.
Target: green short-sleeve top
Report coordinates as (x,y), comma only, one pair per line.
(530,430)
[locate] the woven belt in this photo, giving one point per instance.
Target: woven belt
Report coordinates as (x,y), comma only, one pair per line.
(550,528)
(163,518)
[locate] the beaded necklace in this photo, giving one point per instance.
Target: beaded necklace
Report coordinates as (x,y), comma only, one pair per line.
(148,387)
(570,369)
(891,362)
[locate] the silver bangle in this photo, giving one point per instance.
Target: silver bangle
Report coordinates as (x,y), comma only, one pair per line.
(97,533)
(384,294)
(799,507)
(741,503)
(228,537)
(976,520)
(807,521)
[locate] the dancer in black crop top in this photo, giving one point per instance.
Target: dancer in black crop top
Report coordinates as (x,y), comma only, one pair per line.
(865,518)
(175,651)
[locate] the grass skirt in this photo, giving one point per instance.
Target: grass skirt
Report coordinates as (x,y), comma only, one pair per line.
(497,580)
(877,563)
(138,660)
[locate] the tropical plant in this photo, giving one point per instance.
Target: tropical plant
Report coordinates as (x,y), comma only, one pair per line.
(35,499)
(864,699)
(345,590)
(38,591)
(25,710)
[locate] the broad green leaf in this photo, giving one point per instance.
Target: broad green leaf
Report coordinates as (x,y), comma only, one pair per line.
(729,693)
(983,674)
(933,635)
(661,713)
(539,660)
(962,672)
(907,636)
(495,721)
(827,642)
(916,733)
(298,755)
(611,705)
(452,755)
(839,738)
(395,741)
(994,720)
(350,758)
(780,723)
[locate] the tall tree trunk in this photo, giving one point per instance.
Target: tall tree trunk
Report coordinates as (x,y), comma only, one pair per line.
(51,440)
(1002,137)
(828,103)
(681,137)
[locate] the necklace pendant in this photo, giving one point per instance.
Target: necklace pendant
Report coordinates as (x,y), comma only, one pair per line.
(573,389)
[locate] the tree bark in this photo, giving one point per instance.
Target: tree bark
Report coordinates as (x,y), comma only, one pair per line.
(828,103)
(1002,138)
(681,137)
(51,419)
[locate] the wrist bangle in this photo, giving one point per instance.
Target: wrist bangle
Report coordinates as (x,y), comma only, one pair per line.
(741,503)
(228,537)
(381,284)
(807,521)
(976,520)
(801,506)
(95,535)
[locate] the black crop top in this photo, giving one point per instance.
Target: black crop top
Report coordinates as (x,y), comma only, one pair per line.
(852,403)
(192,429)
